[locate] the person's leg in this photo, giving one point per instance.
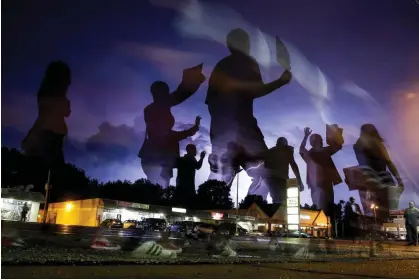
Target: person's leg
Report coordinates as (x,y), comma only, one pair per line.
(278,189)
(254,144)
(409,234)
(152,172)
(414,235)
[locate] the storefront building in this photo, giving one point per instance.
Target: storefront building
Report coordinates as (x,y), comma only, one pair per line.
(92,212)
(13,201)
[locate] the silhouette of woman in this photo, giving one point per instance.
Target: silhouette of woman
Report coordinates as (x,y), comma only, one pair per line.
(44,142)
(371,152)
(161,145)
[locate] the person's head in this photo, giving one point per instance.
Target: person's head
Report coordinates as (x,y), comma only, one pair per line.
(411,204)
(238,41)
(160,91)
(369,131)
(282,142)
(316,141)
(57,79)
(352,200)
(191,150)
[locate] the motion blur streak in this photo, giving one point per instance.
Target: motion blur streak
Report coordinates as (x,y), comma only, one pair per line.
(213,22)
(378,109)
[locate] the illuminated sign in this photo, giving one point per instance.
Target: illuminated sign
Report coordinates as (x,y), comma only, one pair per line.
(232,216)
(293,192)
(292,227)
(141,206)
(178,210)
(249,218)
(292,202)
(304,217)
(293,210)
(293,219)
(217,216)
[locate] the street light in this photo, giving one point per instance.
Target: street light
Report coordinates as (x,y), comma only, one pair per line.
(374,208)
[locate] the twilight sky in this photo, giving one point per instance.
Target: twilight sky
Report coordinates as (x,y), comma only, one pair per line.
(353,62)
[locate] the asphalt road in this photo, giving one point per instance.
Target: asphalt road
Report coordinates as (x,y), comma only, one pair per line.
(341,270)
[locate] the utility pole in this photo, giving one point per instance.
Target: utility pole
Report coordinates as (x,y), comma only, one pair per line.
(47,187)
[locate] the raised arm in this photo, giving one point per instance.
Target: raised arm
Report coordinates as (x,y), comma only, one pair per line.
(180,135)
(303,150)
(180,94)
(255,86)
(200,161)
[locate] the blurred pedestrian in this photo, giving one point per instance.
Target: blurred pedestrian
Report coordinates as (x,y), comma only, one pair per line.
(411,216)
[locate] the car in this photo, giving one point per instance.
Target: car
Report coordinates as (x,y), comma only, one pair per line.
(256,233)
(181,226)
(230,229)
(296,234)
(204,228)
(153,224)
(112,223)
(132,224)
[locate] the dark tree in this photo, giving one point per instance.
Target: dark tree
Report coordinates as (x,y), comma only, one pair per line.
(314,207)
(214,194)
(250,199)
(306,206)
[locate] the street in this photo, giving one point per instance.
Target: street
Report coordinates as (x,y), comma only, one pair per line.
(342,270)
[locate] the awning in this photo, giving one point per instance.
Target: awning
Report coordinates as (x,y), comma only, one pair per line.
(22,195)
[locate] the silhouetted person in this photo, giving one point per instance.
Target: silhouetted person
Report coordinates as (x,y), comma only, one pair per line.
(161,145)
(185,181)
(277,162)
(352,218)
(43,145)
(234,84)
(370,152)
(24,213)
(322,174)
(411,217)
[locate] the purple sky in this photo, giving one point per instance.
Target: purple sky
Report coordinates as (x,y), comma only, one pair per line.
(353,62)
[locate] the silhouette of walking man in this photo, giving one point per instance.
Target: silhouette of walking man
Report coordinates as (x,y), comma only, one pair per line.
(185,181)
(234,84)
(277,162)
(161,145)
(322,174)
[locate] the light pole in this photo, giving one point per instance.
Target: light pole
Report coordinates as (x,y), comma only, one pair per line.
(374,208)
(237,201)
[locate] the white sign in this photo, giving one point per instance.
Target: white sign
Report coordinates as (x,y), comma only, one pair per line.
(249,218)
(232,216)
(293,219)
(304,217)
(178,210)
(293,227)
(293,210)
(293,192)
(292,202)
(141,206)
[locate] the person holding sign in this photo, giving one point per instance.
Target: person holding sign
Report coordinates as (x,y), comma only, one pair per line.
(322,174)
(373,160)
(234,84)
(161,144)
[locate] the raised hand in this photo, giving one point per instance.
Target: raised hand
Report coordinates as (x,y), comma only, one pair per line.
(286,76)
(203,153)
(307,132)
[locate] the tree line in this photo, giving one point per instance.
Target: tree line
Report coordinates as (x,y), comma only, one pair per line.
(74,184)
